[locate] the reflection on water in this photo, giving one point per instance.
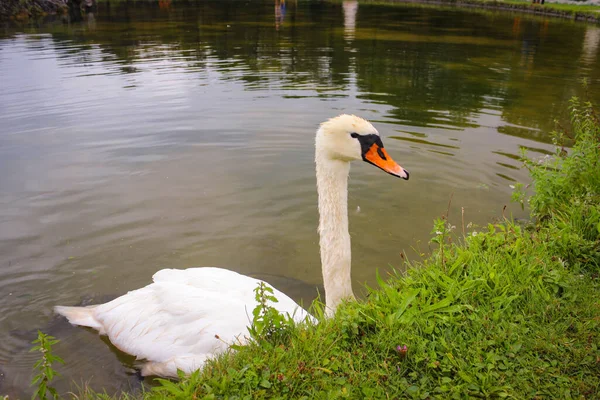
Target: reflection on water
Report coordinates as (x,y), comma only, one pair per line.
(350,8)
(590,45)
(171,135)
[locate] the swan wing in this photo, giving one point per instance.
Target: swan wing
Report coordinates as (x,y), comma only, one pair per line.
(229,284)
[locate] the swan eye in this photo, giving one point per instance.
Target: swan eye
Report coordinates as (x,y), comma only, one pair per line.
(354,135)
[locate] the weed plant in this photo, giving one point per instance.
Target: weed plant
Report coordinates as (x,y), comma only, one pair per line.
(44,367)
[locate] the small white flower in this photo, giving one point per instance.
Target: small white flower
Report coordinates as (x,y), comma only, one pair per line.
(474,233)
(511,186)
(438,232)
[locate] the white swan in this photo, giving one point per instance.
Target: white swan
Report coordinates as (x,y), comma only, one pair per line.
(187,316)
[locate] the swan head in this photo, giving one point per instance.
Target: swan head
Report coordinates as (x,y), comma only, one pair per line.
(348,138)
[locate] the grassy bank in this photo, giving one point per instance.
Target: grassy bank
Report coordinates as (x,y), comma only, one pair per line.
(507,310)
(578,12)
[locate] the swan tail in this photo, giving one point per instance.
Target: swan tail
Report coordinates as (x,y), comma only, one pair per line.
(83,316)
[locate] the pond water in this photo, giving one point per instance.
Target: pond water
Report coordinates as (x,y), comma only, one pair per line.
(147,135)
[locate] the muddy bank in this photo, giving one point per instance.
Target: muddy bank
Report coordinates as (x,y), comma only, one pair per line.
(23,9)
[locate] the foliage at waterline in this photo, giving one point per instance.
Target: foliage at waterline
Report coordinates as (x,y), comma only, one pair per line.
(44,366)
(506,310)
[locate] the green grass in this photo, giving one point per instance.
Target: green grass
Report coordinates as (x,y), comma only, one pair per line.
(501,321)
(508,311)
(555,6)
(587,12)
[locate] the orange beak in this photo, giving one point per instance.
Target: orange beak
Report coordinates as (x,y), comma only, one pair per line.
(377,156)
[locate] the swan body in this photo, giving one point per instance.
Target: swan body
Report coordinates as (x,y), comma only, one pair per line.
(181,319)
(187,316)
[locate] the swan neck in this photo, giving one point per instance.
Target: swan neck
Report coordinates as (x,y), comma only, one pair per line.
(334,240)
